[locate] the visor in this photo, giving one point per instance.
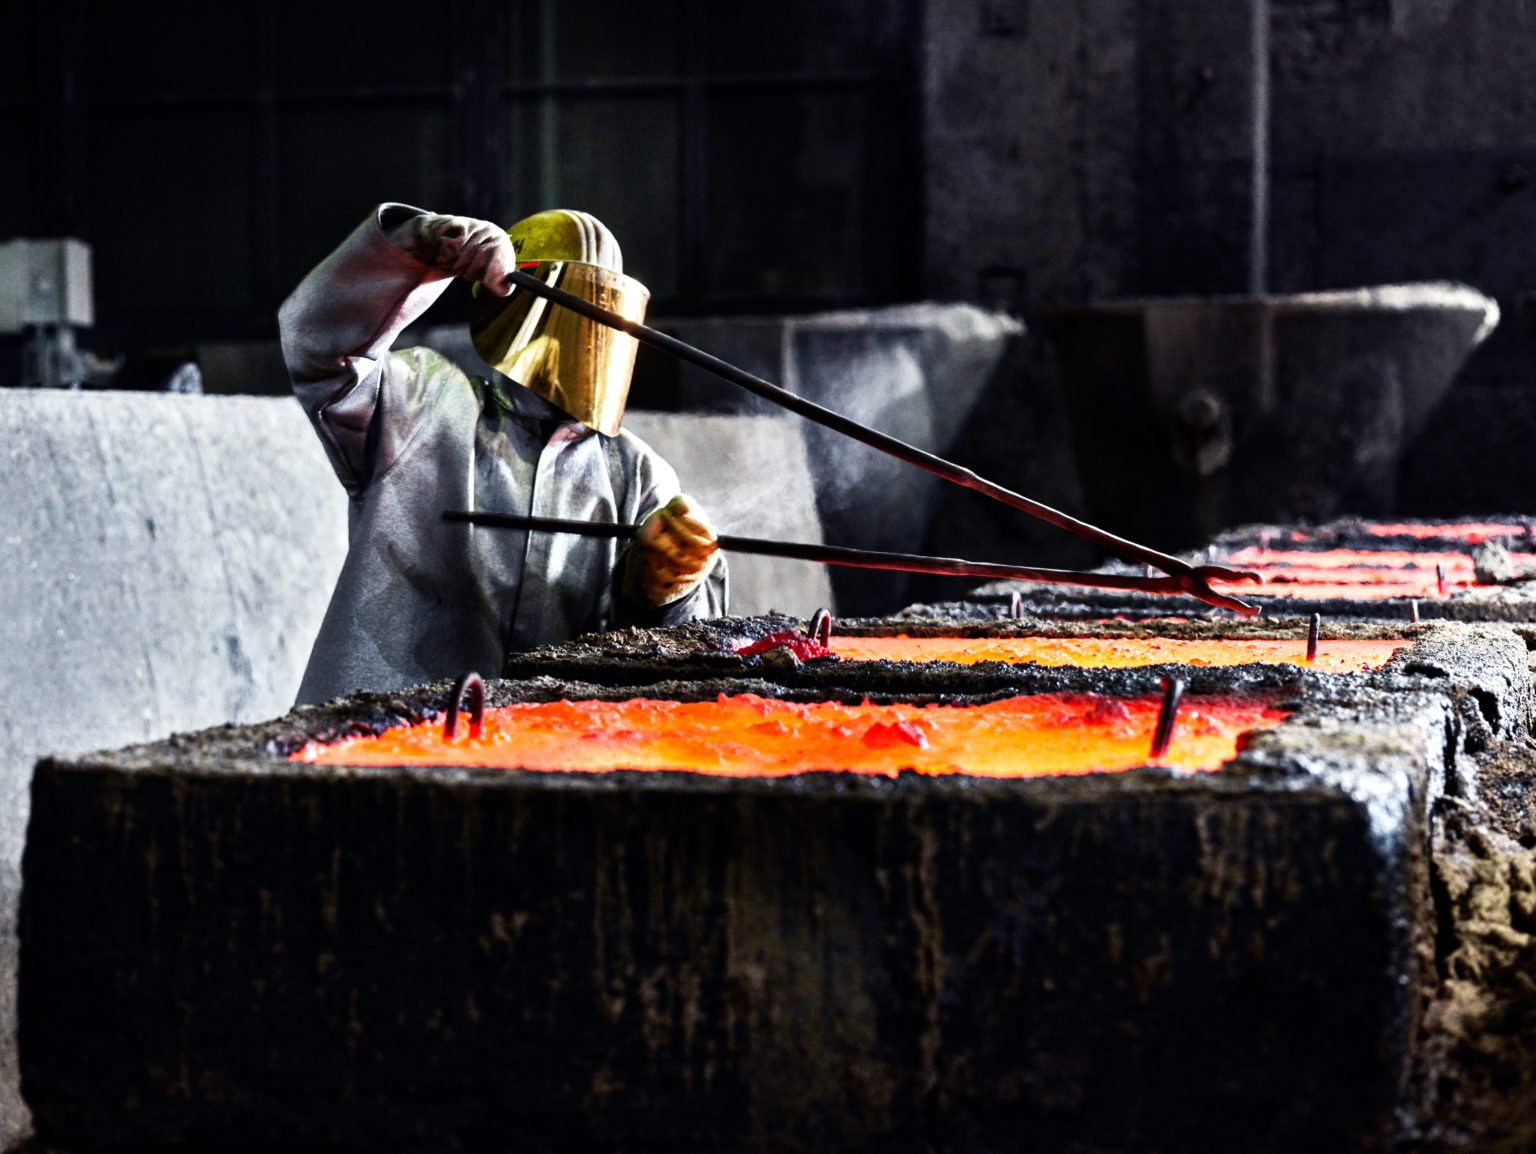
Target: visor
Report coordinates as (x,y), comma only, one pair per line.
(580,366)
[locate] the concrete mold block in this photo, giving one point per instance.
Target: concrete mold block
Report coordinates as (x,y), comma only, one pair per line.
(166,558)
(224,949)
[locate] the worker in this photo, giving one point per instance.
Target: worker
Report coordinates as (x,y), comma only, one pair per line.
(410,434)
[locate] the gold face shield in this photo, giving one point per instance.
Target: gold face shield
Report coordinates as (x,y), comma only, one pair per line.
(580,366)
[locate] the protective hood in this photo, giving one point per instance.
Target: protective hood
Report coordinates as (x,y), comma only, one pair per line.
(580,366)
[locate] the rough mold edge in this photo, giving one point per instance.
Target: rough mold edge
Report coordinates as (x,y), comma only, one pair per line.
(1396,769)
(1485,662)
(1474,1080)
(1486,671)
(1198,628)
(1467,895)
(1513,601)
(1352,530)
(706,649)
(1509,603)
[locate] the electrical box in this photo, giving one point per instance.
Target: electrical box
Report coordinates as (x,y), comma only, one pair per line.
(45,282)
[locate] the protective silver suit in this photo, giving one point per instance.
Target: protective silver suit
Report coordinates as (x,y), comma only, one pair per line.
(410,435)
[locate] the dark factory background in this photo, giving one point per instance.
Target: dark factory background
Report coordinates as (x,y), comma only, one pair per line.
(801,156)
(887,205)
(749,157)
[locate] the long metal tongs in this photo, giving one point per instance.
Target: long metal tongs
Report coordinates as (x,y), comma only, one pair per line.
(830,554)
(1183,577)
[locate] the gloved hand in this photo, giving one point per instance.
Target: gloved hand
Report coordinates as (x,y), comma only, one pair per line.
(458,246)
(672,553)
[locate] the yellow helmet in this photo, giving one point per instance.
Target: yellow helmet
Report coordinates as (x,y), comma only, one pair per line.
(580,366)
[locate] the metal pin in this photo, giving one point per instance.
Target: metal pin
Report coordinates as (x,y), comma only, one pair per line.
(1313,628)
(1440,579)
(821,628)
(1413,609)
(475,685)
(1016,605)
(1173,690)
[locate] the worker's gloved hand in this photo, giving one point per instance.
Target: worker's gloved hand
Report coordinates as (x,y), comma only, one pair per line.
(672,553)
(460,246)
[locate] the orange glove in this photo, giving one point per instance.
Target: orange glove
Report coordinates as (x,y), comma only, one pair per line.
(672,554)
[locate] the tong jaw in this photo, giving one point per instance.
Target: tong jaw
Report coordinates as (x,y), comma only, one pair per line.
(1194,580)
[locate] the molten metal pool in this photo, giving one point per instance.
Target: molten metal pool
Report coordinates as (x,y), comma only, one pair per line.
(1338,656)
(751,736)
(1472,532)
(1357,573)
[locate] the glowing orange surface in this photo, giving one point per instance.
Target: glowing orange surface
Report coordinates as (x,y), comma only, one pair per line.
(1344,656)
(1323,591)
(1472,532)
(1335,560)
(750,736)
(1355,573)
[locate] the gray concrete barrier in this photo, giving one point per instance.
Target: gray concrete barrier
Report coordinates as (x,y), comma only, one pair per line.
(164,564)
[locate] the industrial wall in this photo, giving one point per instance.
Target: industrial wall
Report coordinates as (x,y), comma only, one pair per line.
(1108,148)
(807,154)
(802,156)
(748,156)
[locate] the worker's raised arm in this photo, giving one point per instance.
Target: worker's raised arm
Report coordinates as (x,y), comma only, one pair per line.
(338,325)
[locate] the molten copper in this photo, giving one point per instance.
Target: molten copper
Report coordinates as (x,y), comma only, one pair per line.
(1360,573)
(748,736)
(1469,532)
(802,645)
(1339,656)
(1472,532)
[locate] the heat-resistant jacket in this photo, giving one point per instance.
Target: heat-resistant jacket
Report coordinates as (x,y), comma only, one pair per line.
(410,435)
